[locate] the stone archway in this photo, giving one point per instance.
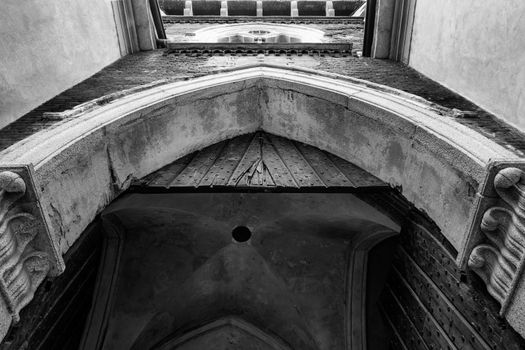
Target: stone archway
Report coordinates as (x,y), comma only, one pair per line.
(265,340)
(171,266)
(301,274)
(397,137)
(80,166)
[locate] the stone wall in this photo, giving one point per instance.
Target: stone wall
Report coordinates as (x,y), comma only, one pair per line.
(49,46)
(476,49)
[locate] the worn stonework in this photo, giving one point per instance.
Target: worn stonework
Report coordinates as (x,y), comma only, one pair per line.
(27,254)
(154,66)
(396,137)
(113,140)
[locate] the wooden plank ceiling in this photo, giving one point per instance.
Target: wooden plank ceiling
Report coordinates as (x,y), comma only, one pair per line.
(260,161)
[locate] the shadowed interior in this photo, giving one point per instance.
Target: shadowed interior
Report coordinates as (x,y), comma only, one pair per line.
(180,270)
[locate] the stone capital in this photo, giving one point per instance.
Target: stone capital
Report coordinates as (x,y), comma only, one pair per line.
(498,240)
(27,252)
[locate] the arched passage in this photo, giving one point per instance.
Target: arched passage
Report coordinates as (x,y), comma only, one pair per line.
(301,272)
(171,266)
(80,166)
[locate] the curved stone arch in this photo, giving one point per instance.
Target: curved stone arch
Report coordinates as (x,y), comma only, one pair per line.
(82,164)
(234,322)
(363,243)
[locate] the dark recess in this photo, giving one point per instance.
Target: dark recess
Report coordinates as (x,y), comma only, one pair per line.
(276,8)
(242,8)
(172,7)
(311,8)
(241,234)
(369,27)
(346,8)
(206,8)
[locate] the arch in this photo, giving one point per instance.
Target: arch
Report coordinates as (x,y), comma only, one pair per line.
(356,226)
(85,162)
(357,285)
(231,322)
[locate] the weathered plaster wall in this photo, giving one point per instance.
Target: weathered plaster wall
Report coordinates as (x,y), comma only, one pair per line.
(49,46)
(476,49)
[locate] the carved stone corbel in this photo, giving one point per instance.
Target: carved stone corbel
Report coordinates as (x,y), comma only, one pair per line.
(488,263)
(27,253)
(499,260)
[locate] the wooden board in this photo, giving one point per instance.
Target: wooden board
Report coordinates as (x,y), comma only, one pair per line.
(260,161)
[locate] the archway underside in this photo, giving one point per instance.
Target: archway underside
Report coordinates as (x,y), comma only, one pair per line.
(298,271)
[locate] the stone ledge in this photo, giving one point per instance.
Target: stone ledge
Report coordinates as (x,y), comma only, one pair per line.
(254,48)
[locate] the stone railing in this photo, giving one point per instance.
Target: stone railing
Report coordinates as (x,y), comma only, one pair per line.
(260,8)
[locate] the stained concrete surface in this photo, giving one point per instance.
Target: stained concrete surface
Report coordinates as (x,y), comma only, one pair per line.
(475,48)
(40,51)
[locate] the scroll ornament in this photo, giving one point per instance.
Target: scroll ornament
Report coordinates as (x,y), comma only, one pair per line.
(22,267)
(500,260)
